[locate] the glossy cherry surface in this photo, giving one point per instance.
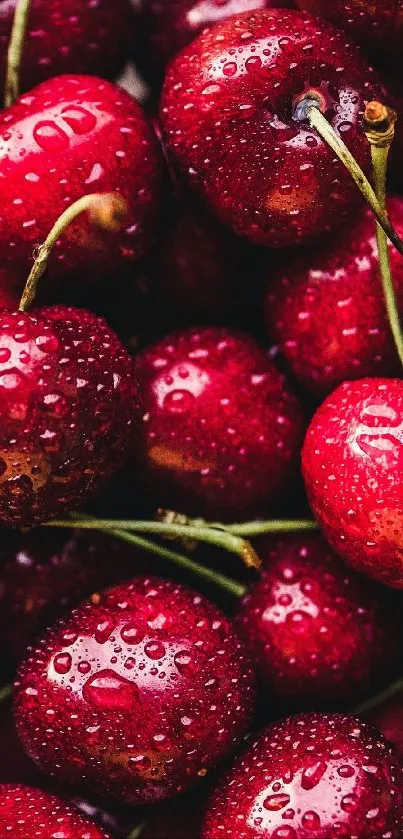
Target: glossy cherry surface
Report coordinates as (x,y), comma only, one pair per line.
(313,776)
(352,463)
(230,116)
(69,36)
(67,399)
(26,811)
(219,432)
(70,136)
(325,309)
(321,635)
(137,693)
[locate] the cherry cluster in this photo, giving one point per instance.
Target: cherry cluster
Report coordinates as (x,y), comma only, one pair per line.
(201,419)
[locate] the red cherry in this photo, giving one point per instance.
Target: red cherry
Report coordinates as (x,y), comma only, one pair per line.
(388,718)
(220,430)
(352,463)
(377,26)
(137,693)
(234,118)
(66,402)
(163,29)
(71,136)
(325,308)
(26,811)
(69,36)
(44,573)
(320,633)
(313,776)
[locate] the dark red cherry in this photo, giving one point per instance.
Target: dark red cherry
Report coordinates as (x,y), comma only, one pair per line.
(70,136)
(322,635)
(325,308)
(314,776)
(137,694)
(69,36)
(388,718)
(67,400)
(27,811)
(352,463)
(234,118)
(219,431)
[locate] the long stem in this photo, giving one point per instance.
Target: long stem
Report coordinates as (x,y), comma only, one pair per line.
(388,693)
(259,528)
(14,53)
(329,135)
(219,538)
(107,210)
(224,582)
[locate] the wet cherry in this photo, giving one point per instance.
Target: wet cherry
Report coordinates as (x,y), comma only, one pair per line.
(234,115)
(352,463)
(137,693)
(27,811)
(310,777)
(325,308)
(322,635)
(67,400)
(219,431)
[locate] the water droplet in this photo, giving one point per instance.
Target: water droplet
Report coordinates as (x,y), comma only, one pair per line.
(230,69)
(346,771)
(253,63)
(79,119)
(131,634)
(178,401)
(312,775)
(47,343)
(311,820)
(107,690)
(50,137)
(62,663)
(183,662)
(5,355)
(140,763)
(103,630)
(284,832)
(349,803)
(299,621)
(84,667)
(276,802)
(154,650)
(69,637)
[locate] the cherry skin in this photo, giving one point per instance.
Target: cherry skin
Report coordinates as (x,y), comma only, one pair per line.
(377,26)
(313,776)
(352,463)
(69,36)
(163,29)
(325,308)
(66,400)
(388,718)
(44,573)
(234,123)
(137,693)
(219,431)
(70,136)
(28,811)
(321,634)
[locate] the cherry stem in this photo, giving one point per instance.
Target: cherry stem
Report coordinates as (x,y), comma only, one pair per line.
(329,135)
(379,123)
(107,210)
(5,692)
(14,54)
(210,535)
(137,831)
(259,528)
(388,693)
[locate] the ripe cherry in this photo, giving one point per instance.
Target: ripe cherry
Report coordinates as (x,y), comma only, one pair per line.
(137,693)
(352,463)
(26,811)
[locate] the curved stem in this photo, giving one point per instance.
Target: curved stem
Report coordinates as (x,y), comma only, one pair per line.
(388,693)
(212,536)
(329,135)
(107,210)
(259,528)
(14,53)
(5,692)
(231,586)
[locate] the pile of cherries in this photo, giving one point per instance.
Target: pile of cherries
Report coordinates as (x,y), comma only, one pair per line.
(208,360)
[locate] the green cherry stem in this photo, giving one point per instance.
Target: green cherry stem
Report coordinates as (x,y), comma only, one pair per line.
(388,693)
(106,210)
(14,53)
(259,528)
(210,535)
(329,135)
(5,693)
(379,126)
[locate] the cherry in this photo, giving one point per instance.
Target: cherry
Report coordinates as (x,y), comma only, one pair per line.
(138,692)
(234,112)
(320,633)
(388,718)
(325,308)
(69,36)
(43,573)
(377,26)
(313,776)
(352,463)
(26,811)
(219,430)
(71,136)
(67,399)
(163,29)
